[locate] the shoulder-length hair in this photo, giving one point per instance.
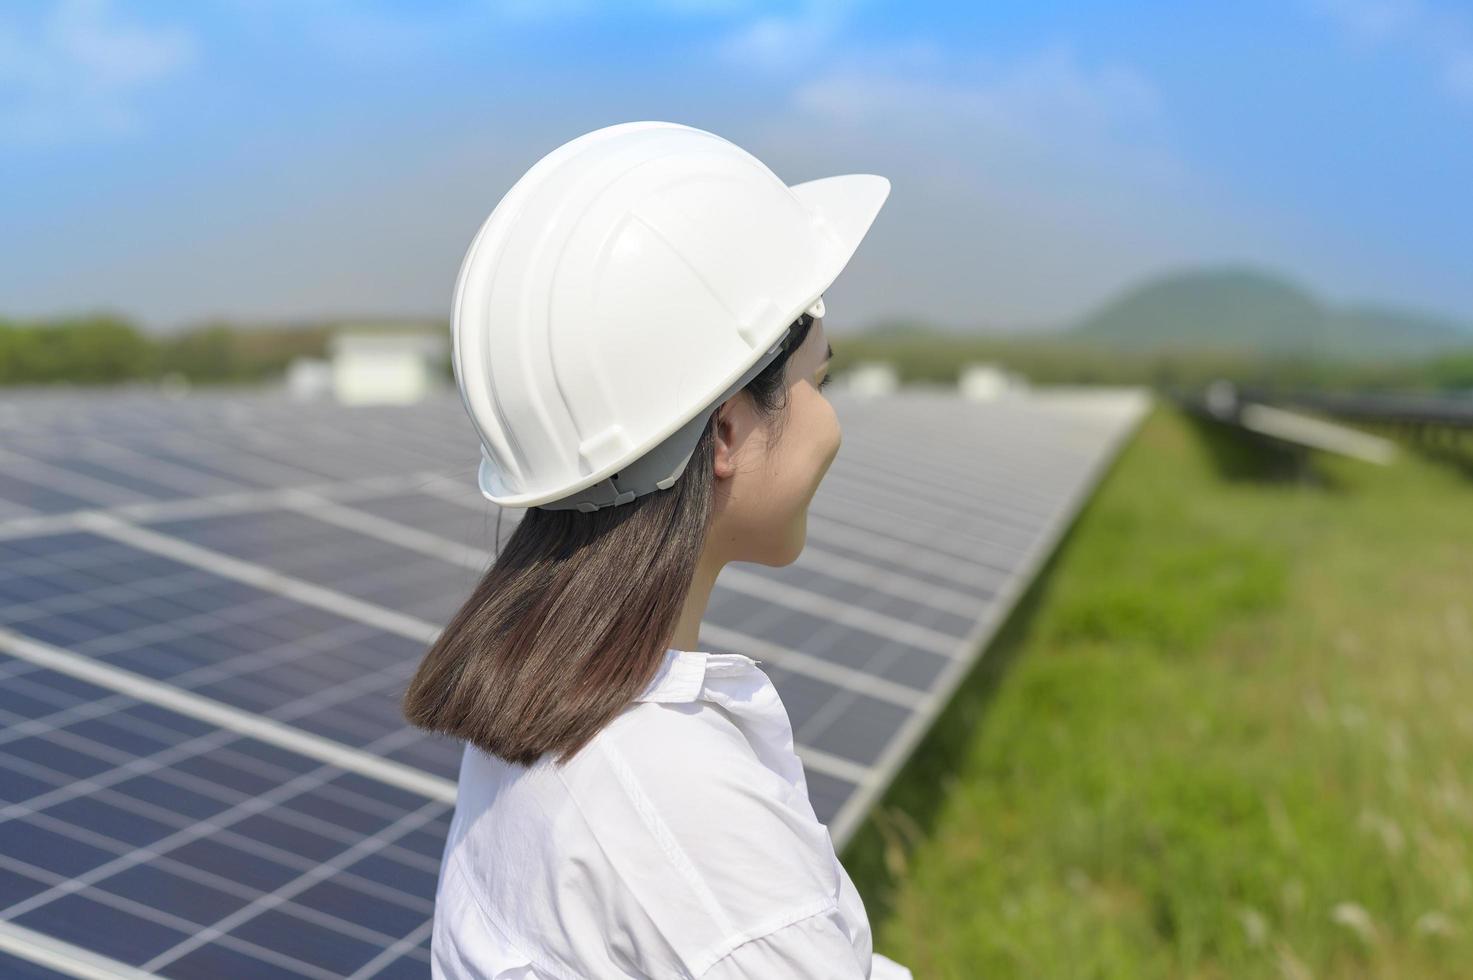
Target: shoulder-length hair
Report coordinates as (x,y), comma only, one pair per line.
(572,620)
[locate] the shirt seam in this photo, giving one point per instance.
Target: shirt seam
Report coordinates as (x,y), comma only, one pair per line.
(601,745)
(792,917)
(504,934)
(662,833)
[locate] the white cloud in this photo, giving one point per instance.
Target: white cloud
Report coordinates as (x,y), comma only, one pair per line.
(1458,73)
(356,32)
(548,9)
(75,73)
(1442,35)
(773,42)
(1047,101)
(943,102)
(1370,22)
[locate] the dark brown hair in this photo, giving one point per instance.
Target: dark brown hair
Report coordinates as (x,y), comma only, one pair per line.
(572,619)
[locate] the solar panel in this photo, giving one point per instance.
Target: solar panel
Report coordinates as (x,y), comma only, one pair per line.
(218,599)
(184,849)
(222,639)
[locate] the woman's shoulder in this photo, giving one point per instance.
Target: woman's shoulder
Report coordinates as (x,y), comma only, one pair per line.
(667,824)
(696,761)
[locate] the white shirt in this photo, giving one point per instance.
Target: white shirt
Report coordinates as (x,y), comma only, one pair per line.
(679,843)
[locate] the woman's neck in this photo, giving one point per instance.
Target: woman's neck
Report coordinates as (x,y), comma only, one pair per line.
(688,630)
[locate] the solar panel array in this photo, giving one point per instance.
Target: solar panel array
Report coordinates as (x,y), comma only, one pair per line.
(210,606)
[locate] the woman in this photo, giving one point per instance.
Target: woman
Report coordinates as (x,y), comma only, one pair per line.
(639,343)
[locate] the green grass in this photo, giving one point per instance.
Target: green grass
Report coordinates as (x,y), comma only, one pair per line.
(1227,733)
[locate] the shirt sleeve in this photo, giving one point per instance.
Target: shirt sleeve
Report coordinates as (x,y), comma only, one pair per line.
(885,968)
(814,948)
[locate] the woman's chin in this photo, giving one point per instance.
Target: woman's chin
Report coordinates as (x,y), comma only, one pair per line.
(798,540)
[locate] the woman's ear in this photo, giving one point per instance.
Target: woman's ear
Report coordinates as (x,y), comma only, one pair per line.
(725,436)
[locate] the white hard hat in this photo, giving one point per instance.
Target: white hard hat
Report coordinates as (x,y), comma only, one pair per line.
(630,282)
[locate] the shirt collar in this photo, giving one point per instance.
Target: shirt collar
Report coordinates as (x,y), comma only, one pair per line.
(682,675)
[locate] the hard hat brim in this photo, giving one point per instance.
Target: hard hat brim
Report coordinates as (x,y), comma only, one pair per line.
(847,205)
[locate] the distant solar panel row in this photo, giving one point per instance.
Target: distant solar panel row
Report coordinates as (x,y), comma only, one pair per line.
(289,562)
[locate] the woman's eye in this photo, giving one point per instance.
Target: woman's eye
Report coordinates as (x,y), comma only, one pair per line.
(824,383)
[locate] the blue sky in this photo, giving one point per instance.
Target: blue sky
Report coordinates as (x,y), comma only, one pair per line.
(300,158)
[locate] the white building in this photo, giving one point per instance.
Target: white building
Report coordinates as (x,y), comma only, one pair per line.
(872,378)
(986,380)
(309,378)
(375,367)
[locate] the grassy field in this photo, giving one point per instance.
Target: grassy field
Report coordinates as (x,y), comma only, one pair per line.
(1227,733)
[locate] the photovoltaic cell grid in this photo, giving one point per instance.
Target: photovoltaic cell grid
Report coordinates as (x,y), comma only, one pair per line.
(223,639)
(292,561)
(183,849)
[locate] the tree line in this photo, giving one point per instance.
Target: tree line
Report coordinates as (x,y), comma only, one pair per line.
(107,349)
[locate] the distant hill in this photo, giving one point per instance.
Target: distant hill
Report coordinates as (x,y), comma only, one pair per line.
(1240,309)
